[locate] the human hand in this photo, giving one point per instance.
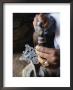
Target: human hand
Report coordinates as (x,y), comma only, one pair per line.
(48,56)
(41,18)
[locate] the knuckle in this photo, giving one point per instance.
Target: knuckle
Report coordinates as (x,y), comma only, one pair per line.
(54,58)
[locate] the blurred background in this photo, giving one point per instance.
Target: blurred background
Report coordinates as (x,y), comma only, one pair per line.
(22,34)
(22,30)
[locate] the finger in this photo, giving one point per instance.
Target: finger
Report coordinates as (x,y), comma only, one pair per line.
(41,60)
(44,55)
(50,58)
(45,50)
(35,20)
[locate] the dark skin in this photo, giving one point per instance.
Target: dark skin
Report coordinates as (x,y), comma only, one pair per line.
(49,55)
